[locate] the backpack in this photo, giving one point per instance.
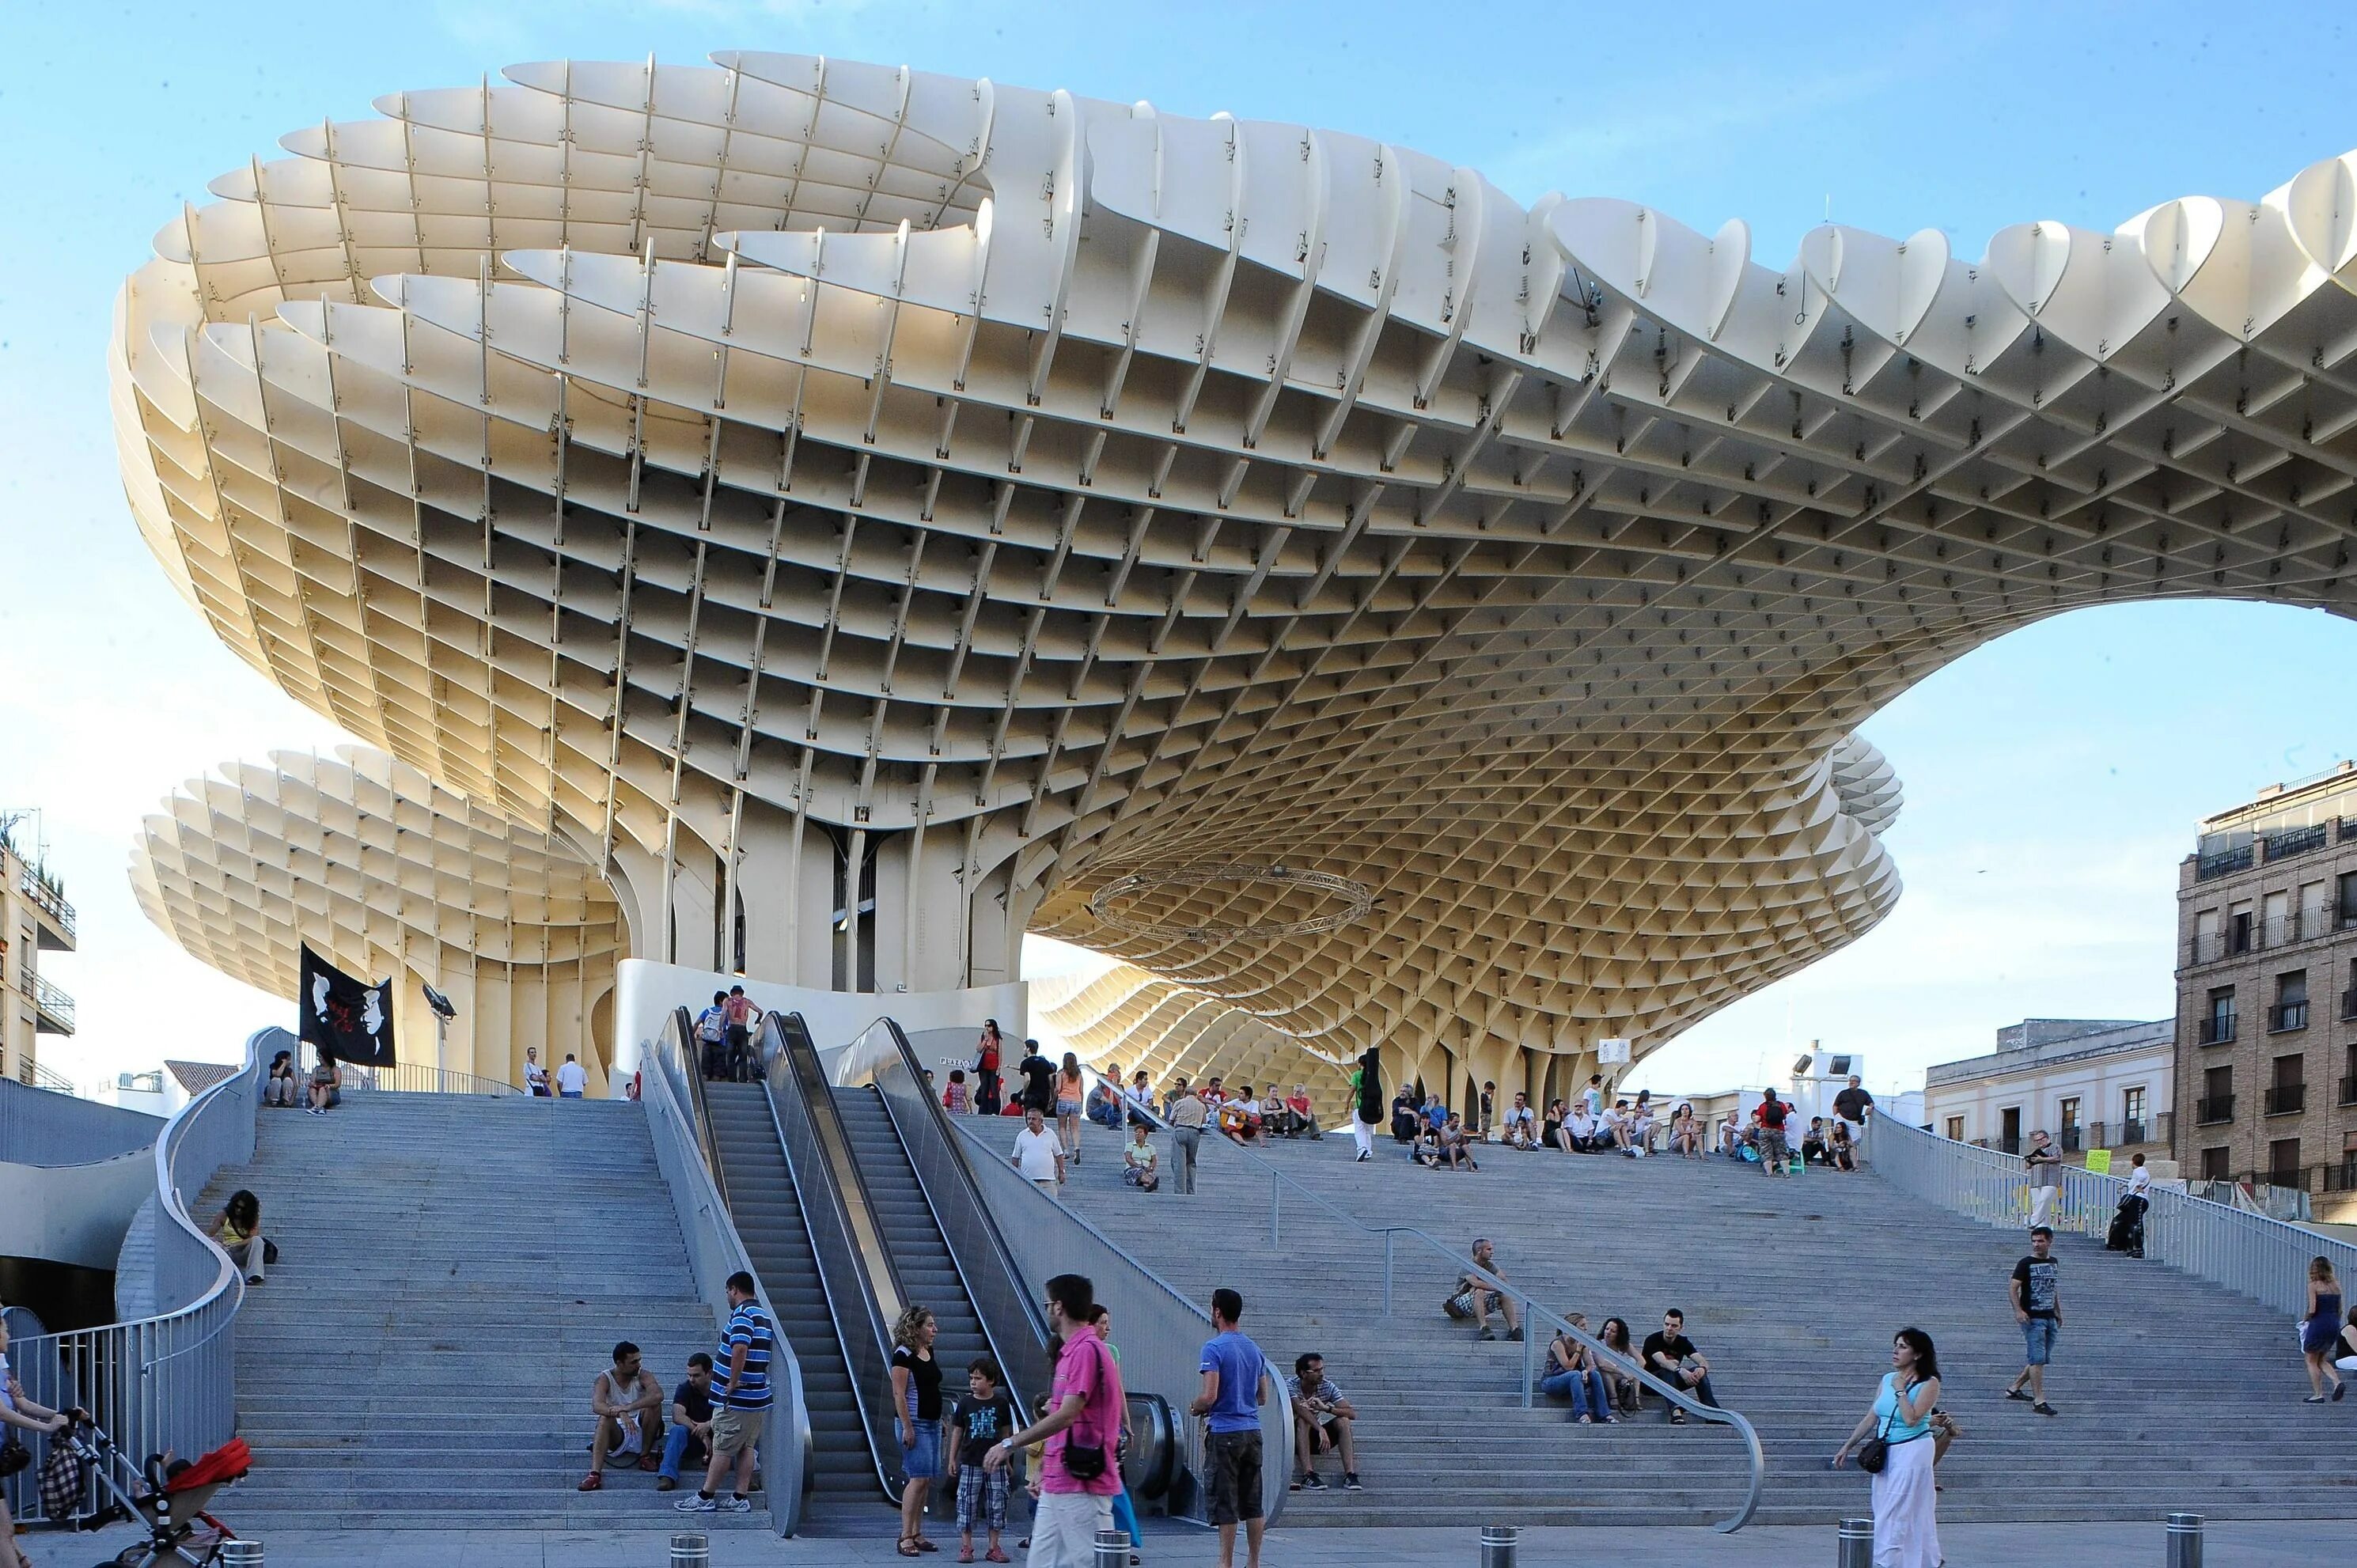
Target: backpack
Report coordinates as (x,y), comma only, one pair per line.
(707,1027)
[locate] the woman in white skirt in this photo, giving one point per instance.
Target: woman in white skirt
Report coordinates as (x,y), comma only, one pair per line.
(1906,1519)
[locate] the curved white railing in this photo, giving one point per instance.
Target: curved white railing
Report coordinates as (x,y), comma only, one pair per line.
(169,1380)
(2249,1253)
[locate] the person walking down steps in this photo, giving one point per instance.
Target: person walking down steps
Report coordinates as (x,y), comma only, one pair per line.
(2037,1291)
(2319,1330)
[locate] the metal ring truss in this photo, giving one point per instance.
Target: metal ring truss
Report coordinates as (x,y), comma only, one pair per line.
(1356,899)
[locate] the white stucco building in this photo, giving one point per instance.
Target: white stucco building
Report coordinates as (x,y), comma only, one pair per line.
(2093,1083)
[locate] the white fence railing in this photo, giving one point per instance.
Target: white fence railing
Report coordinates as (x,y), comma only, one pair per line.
(2265,1259)
(166,1382)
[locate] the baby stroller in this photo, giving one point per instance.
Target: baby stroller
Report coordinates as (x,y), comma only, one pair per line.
(2126,1233)
(167,1497)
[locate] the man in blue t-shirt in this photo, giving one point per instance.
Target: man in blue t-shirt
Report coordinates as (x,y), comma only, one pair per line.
(1235,1380)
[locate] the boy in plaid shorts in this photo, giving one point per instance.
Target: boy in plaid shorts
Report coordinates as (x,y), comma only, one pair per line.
(983,1416)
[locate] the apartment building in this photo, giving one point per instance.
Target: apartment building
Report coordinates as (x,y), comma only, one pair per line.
(2266,992)
(2093,1083)
(35,919)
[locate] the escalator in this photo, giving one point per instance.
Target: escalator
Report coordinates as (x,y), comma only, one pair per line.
(921,1255)
(767,1210)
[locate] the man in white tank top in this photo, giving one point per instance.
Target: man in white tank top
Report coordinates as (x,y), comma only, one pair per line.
(629,1404)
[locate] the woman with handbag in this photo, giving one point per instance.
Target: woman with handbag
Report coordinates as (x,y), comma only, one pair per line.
(17,1414)
(1900,1456)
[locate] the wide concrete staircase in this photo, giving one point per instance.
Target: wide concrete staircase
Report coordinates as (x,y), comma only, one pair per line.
(2172,1393)
(454,1272)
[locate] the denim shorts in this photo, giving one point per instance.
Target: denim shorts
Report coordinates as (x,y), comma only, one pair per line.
(2039,1334)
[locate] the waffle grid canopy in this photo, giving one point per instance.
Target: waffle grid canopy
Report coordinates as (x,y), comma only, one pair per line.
(864,512)
(383,871)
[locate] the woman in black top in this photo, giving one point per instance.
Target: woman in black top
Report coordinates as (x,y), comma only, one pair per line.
(284,1088)
(917,1411)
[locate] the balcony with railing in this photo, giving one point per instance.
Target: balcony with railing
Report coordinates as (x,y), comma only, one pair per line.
(2286,1016)
(2289,929)
(2212,1109)
(2342,1178)
(2073,1139)
(2218,1029)
(53,1010)
(2293,842)
(2287,1100)
(2349,1089)
(50,899)
(2225,863)
(2125,1133)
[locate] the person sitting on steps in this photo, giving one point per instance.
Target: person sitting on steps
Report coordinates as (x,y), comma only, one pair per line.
(1572,1371)
(1521,1127)
(1139,1160)
(1671,1356)
(1456,1146)
(1322,1421)
(628,1403)
(283,1087)
(689,1441)
(1476,1298)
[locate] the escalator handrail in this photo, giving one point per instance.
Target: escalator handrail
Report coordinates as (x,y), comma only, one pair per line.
(979,1229)
(690,1072)
(718,1232)
(1161,1464)
(863,1291)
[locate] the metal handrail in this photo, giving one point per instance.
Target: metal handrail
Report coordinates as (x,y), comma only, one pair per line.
(1013,1326)
(683,1063)
(50,999)
(714,1252)
(168,1381)
(2256,1256)
(855,1268)
(1533,1312)
(403,1078)
(1056,1239)
(45,893)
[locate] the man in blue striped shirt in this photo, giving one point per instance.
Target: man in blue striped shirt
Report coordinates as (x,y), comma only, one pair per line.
(740,1390)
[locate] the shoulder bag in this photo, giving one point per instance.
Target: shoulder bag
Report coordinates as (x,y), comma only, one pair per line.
(1084,1462)
(1875,1452)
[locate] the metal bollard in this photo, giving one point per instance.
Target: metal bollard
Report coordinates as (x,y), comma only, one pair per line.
(1498,1545)
(2185,1540)
(1853,1544)
(691,1549)
(1112,1549)
(240,1554)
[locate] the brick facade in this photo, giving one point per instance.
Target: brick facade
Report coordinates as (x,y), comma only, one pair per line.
(2266,992)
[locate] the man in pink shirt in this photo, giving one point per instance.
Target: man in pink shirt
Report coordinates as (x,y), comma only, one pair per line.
(1080,1472)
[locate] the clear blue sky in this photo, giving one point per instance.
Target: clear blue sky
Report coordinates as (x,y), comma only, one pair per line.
(2052,779)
